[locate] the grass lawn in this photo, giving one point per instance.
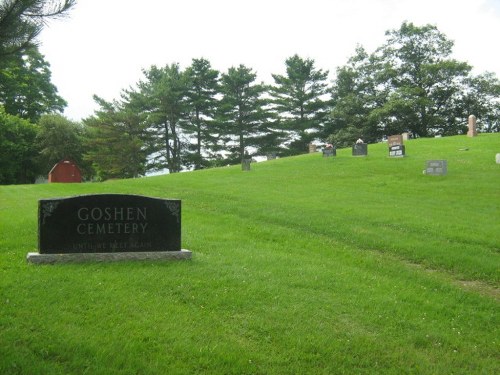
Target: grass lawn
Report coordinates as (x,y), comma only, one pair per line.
(303,265)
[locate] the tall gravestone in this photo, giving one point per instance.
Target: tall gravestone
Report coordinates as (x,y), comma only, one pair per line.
(76,227)
(472,132)
(245,164)
(312,148)
(396,146)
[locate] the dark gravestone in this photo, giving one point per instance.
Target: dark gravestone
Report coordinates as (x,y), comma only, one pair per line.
(271,156)
(108,223)
(245,164)
(436,167)
(397,151)
(329,152)
(360,149)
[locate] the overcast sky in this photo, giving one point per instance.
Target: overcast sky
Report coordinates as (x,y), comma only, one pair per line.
(102,47)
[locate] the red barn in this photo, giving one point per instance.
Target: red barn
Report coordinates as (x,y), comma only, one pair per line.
(65,171)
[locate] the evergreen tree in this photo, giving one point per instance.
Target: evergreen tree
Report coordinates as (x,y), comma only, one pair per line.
(22,20)
(165,92)
(115,141)
(202,89)
(242,113)
(299,98)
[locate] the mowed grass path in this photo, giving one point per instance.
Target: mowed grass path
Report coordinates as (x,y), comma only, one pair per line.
(303,265)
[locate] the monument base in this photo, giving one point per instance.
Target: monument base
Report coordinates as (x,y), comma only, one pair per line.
(37,258)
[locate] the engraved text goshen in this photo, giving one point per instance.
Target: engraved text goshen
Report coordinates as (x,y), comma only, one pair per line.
(111,220)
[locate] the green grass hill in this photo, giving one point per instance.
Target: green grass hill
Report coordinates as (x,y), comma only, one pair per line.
(302,265)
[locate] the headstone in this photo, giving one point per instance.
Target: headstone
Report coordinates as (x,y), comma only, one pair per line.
(405,136)
(330,151)
(472,126)
(436,167)
(397,151)
(108,223)
(497,158)
(245,164)
(394,140)
(360,149)
(271,156)
(312,148)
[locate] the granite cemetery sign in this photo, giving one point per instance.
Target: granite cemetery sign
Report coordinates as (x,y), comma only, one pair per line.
(108,223)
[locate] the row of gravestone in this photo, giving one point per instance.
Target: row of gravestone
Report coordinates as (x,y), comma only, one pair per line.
(395,143)
(396,149)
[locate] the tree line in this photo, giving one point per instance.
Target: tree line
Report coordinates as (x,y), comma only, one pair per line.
(199,117)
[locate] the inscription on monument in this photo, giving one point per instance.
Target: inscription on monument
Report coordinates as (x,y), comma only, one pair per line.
(395,140)
(108,223)
(397,151)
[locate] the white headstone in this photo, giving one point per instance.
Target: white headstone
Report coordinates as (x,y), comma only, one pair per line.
(497,158)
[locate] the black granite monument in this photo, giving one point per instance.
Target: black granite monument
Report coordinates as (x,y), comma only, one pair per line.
(108,223)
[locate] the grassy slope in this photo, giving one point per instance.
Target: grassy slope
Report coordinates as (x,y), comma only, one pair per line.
(302,265)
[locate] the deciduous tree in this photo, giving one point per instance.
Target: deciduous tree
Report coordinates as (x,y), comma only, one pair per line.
(410,83)
(18,154)
(26,89)
(59,138)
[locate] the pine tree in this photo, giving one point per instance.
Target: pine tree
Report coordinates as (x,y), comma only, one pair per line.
(300,101)
(242,116)
(115,141)
(202,89)
(22,20)
(165,92)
